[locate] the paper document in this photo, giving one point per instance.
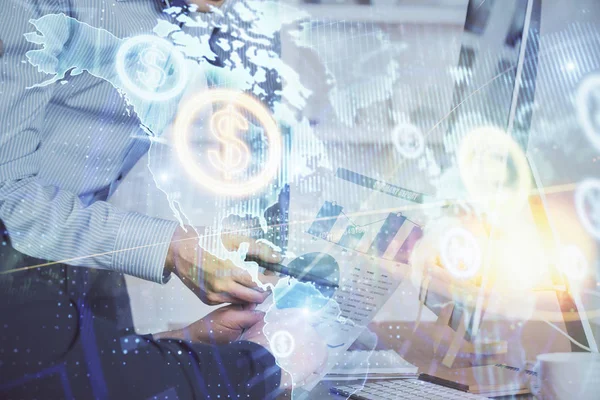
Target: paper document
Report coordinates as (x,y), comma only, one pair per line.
(359,233)
(372,365)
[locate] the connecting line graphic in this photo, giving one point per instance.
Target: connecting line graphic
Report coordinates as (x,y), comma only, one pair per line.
(480,4)
(355,224)
(380,212)
(401,164)
(435,204)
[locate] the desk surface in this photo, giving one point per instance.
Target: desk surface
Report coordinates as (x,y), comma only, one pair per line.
(525,341)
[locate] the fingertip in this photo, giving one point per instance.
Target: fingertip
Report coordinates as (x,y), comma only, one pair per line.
(266,251)
(250,318)
(256,297)
(258,315)
(269,279)
(269,254)
(263,297)
(276,256)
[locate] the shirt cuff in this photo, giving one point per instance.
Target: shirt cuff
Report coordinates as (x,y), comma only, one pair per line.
(142,245)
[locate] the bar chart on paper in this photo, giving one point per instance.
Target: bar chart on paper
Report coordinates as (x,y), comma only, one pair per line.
(391,238)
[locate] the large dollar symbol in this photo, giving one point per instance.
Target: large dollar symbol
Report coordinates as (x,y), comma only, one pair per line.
(235,157)
(154,76)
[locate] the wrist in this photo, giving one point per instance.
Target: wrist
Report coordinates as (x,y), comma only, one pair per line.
(177,334)
(177,241)
(170,259)
(184,244)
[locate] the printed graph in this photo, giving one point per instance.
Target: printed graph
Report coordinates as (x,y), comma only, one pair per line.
(391,238)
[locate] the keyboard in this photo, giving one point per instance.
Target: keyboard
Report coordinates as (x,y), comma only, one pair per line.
(401,389)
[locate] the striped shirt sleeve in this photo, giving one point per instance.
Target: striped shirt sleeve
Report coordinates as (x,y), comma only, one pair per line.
(44,221)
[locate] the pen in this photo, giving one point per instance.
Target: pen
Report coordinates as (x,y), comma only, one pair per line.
(301,276)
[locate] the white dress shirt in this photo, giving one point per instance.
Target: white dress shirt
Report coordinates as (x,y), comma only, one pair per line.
(64,148)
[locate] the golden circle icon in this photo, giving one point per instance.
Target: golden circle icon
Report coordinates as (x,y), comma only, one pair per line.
(494,170)
(225,123)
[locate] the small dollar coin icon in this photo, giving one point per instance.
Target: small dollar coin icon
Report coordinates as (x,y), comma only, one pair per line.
(587,204)
(154,76)
(408,140)
(235,157)
(282,344)
(230,120)
(460,253)
(588,108)
(151,68)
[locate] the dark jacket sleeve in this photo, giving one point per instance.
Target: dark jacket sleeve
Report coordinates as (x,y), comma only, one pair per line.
(57,354)
(240,369)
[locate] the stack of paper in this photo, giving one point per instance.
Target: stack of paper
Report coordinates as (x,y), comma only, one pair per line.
(379,364)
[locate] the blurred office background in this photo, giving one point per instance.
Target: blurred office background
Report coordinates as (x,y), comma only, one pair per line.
(412,50)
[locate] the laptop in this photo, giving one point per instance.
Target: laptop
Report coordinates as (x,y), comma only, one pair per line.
(522,35)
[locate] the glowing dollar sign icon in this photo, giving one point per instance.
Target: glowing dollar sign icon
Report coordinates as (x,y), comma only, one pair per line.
(236,155)
(153,77)
(283,344)
(460,253)
(408,140)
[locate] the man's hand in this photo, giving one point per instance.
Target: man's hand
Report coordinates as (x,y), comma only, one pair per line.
(221,326)
(214,280)
(295,344)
